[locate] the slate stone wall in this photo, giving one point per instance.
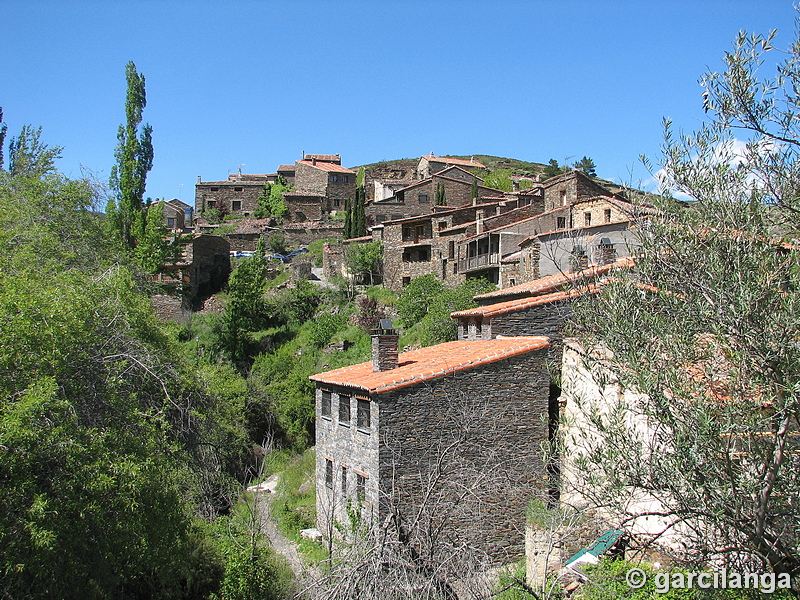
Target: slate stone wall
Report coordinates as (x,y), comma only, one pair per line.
(243,191)
(501,408)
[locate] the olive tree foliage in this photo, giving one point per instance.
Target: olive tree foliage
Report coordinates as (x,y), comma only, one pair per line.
(705,353)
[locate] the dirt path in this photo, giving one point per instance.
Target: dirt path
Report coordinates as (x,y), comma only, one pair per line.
(265,494)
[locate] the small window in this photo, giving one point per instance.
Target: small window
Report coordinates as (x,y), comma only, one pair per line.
(607,215)
(380,218)
(442,225)
(423,198)
(406,281)
(587,219)
(512,282)
(214,189)
(563,197)
(561,222)
(451,250)
(363,415)
(395,217)
(326,404)
(238,189)
(171,222)
(346,178)
(236,205)
(344,481)
(335,202)
(344,410)
(361,483)
(211,203)
(335,178)
(328,473)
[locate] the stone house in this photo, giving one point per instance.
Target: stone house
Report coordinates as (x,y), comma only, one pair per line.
(177,215)
(419,197)
(571,187)
(237,196)
(426,244)
(430,165)
(322,185)
(381,428)
(201,269)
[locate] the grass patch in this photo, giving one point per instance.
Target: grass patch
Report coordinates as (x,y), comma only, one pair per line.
(282,277)
(294,505)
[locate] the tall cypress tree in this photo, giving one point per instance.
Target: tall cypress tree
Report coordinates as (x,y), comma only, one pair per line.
(348,219)
(359,214)
(134,155)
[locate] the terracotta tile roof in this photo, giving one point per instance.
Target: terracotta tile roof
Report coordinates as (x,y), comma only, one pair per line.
(326,166)
(509,306)
(328,157)
(552,283)
(455,161)
(285,168)
(430,363)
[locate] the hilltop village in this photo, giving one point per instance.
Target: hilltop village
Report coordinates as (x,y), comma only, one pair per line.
(541,242)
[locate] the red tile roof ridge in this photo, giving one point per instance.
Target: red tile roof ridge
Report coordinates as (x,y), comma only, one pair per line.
(431,362)
(326,166)
(549,283)
(454,161)
(501,308)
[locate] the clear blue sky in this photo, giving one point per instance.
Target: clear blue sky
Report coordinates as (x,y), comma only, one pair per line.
(257,83)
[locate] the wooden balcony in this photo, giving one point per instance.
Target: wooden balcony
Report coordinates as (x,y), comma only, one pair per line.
(481,261)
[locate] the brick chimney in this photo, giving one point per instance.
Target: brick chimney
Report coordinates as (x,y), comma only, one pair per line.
(384,346)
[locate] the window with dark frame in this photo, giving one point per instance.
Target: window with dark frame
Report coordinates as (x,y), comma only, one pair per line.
(344,410)
(236,205)
(361,483)
(238,189)
(345,178)
(607,215)
(329,473)
(561,222)
(587,219)
(326,404)
(363,417)
(423,198)
(344,480)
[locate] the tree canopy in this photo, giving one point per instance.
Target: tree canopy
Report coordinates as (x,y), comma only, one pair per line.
(705,330)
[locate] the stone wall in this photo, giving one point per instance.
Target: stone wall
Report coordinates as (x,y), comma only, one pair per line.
(171,308)
(345,445)
(238,195)
(569,188)
(502,405)
(529,261)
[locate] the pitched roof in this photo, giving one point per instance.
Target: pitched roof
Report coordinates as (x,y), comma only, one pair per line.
(455,161)
(552,283)
(326,157)
(425,364)
(517,304)
(326,166)
(285,168)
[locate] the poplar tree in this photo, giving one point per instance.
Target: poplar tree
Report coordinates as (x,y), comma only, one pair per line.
(134,156)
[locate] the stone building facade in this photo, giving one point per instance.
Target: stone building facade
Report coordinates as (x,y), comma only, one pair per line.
(419,197)
(237,196)
(426,244)
(430,165)
(381,427)
(569,188)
